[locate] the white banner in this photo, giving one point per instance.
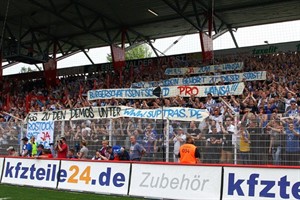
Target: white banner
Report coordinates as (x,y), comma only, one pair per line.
(1,167)
(42,131)
(32,172)
(171,113)
(175,181)
(260,183)
(170,91)
(204,80)
(99,177)
(205,69)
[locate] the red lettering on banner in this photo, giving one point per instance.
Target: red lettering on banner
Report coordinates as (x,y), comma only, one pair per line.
(187,90)
(45,136)
(190,70)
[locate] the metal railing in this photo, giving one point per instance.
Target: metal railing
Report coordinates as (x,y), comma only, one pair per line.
(250,141)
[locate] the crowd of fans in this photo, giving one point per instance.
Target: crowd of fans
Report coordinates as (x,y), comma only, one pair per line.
(261,126)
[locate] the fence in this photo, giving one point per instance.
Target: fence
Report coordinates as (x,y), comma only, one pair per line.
(265,139)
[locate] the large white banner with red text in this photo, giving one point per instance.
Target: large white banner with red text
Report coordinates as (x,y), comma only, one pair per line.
(170,91)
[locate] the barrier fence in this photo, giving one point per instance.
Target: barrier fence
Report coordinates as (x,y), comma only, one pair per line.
(154,180)
(244,141)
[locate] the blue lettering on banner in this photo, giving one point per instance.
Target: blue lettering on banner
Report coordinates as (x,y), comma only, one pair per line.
(40,126)
(221,90)
(204,69)
(104,178)
(252,75)
(25,172)
(230,78)
(194,80)
(165,91)
(262,188)
(195,113)
(154,114)
(51,172)
(201,80)
(231,66)
(168,82)
(123,93)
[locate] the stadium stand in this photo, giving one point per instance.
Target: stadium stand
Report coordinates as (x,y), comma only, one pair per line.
(264,109)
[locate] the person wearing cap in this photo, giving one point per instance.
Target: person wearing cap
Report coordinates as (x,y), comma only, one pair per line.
(119,153)
(122,154)
(61,148)
(27,148)
(189,153)
(12,152)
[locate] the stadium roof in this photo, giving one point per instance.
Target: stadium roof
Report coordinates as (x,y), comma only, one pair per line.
(77,25)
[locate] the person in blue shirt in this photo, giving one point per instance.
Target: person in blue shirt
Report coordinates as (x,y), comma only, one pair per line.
(292,146)
(136,150)
(27,148)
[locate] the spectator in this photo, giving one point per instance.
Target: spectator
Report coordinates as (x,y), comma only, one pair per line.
(110,153)
(276,139)
(179,139)
(97,155)
(121,154)
(83,153)
(214,144)
(149,142)
(229,138)
(292,147)
(72,154)
(61,148)
(27,148)
(136,150)
(12,152)
(194,131)
(39,150)
(258,140)
(244,144)
(210,102)
(103,149)
(34,146)
(292,110)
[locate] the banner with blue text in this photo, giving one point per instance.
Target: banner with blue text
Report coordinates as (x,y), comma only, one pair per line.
(42,131)
(205,80)
(32,172)
(205,69)
(171,113)
(99,177)
(260,183)
(170,91)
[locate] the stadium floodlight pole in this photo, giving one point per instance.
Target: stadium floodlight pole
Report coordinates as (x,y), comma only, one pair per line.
(158,93)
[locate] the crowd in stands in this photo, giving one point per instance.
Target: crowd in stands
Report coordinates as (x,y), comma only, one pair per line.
(267,130)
